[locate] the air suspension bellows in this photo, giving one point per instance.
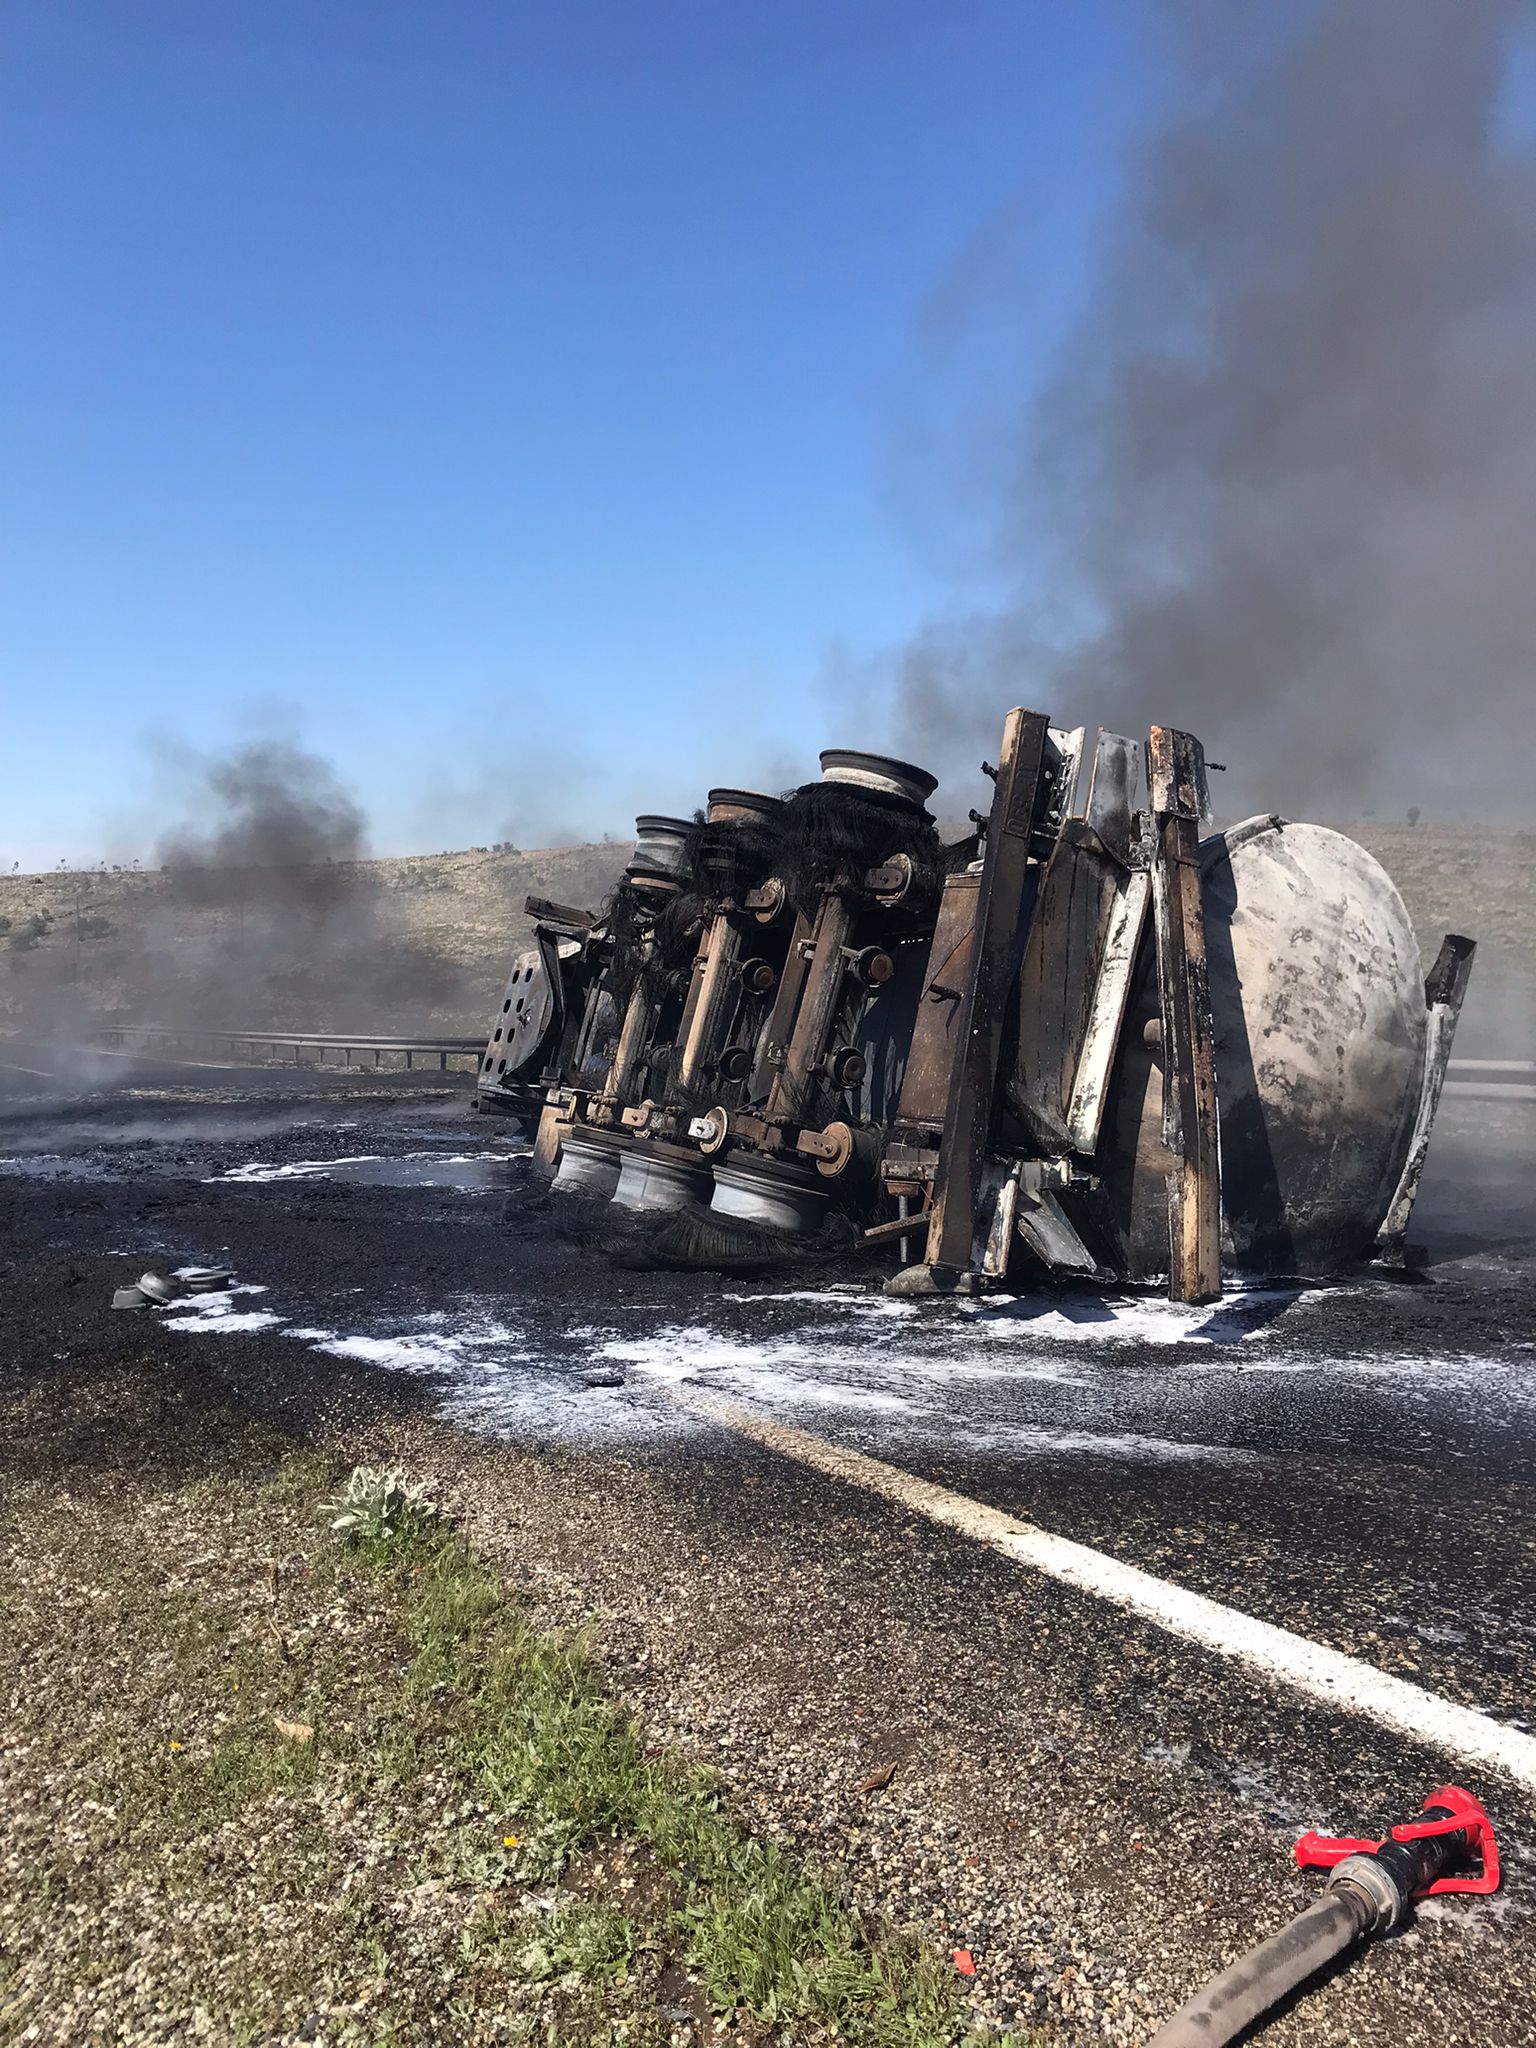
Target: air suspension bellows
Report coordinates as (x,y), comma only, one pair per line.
(660,855)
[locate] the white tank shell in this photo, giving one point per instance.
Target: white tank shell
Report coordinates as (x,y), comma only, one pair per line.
(1317,997)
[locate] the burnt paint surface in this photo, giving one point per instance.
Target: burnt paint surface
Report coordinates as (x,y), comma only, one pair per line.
(1317,1000)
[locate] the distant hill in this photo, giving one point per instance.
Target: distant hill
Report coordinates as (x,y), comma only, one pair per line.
(1480,881)
(424,942)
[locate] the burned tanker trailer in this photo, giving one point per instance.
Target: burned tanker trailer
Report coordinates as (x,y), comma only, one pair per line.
(1083,1039)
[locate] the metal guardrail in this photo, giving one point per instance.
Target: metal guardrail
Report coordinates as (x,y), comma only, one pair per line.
(245,1044)
(1492,1080)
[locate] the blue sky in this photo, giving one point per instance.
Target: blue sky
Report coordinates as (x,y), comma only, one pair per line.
(526,404)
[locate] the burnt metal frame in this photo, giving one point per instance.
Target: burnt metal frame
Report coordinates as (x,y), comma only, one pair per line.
(1004,911)
(1001,922)
(1176,786)
(1445,989)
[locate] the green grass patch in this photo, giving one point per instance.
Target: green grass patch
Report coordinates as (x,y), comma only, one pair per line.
(530,1725)
(277,1781)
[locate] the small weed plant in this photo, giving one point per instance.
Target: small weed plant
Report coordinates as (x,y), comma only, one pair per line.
(379,1509)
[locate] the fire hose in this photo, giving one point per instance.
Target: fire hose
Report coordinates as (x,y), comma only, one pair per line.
(1373,1885)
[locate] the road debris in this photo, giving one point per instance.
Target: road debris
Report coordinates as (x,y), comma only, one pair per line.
(156,1290)
(204,1279)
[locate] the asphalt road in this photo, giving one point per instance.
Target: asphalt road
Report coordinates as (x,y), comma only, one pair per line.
(1101,1810)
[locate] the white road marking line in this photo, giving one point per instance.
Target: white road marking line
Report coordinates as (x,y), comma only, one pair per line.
(1327,1675)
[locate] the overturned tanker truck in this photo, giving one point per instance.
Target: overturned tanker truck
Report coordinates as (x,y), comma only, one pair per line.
(1082,1039)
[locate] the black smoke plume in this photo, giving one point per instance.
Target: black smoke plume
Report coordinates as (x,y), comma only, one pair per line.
(271,813)
(272,917)
(1283,480)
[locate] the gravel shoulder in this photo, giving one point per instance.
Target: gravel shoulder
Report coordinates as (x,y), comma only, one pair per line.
(1100,1815)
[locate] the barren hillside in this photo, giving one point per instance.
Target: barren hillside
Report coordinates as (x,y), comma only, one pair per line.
(424,942)
(1482,882)
(383,944)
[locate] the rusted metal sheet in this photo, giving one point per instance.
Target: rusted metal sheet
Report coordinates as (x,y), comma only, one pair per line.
(1072,988)
(931,1055)
(1176,784)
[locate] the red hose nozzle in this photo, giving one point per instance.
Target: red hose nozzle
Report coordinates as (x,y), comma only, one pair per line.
(1446,1811)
